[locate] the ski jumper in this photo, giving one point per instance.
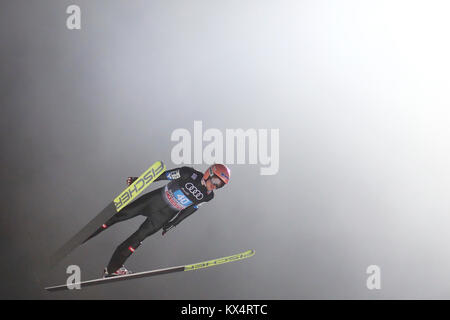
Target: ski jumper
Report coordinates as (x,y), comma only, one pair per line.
(164,207)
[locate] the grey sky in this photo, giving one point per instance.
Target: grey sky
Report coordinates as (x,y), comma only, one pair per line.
(358,89)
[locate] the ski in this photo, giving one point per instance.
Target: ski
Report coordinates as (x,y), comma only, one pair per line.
(190,267)
(118,203)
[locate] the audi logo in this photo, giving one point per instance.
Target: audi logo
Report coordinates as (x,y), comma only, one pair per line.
(194,191)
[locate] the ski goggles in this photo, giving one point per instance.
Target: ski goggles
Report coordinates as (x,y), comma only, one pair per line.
(217,182)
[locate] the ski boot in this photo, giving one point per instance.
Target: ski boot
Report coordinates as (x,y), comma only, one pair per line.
(122,271)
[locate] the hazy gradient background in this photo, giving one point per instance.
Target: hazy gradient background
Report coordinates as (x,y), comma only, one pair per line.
(358,89)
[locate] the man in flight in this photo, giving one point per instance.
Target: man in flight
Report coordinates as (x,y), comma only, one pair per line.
(164,208)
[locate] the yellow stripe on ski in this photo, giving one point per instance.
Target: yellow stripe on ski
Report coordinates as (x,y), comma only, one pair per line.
(136,188)
(218,261)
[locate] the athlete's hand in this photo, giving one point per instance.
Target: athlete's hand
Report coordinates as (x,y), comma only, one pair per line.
(130,180)
(165,229)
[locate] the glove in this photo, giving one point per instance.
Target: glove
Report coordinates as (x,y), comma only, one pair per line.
(130,180)
(167,228)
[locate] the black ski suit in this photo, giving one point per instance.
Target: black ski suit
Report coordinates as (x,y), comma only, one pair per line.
(164,207)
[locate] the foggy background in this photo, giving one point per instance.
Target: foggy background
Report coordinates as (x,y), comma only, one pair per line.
(358,89)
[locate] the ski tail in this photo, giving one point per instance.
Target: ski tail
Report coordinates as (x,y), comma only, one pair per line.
(190,267)
(120,202)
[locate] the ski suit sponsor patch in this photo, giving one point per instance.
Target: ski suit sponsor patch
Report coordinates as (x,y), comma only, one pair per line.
(191,188)
(173,175)
(176,199)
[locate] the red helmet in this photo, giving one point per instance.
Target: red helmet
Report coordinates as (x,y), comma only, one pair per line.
(219,170)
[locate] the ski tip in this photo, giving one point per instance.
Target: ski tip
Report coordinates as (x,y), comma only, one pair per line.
(161,164)
(249,253)
(218,261)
